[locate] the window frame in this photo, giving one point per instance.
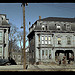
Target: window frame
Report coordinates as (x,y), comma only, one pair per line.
(68,28)
(43,27)
(49,40)
(1,39)
(69,41)
(59,41)
(46,39)
(1,53)
(42,38)
(49,54)
(19,57)
(58,27)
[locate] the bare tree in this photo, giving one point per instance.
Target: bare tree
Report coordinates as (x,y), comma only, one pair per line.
(12,37)
(20,38)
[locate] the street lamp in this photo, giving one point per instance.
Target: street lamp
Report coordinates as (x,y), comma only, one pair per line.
(24,41)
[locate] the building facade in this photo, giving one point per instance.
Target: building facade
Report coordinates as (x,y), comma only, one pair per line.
(4,31)
(51,37)
(18,56)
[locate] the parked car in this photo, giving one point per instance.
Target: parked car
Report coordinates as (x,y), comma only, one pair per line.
(8,61)
(4,62)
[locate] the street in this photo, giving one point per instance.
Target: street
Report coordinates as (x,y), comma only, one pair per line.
(38,68)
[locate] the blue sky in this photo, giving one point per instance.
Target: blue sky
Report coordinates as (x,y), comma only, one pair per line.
(14,12)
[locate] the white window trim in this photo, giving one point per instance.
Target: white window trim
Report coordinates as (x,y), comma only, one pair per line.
(49,41)
(67,26)
(46,39)
(42,39)
(58,26)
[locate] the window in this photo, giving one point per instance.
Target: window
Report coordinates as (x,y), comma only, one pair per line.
(42,39)
(19,57)
(34,26)
(0,52)
(2,18)
(0,36)
(58,27)
(68,40)
(46,27)
(0,49)
(46,52)
(59,41)
(39,38)
(39,54)
(49,54)
(42,52)
(45,39)
(68,27)
(49,40)
(43,27)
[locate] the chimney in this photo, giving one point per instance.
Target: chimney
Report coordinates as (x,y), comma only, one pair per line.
(29,24)
(39,17)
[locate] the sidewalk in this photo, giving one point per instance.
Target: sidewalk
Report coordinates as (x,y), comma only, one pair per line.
(51,67)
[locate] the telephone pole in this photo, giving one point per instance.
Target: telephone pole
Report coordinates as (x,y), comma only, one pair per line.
(24,33)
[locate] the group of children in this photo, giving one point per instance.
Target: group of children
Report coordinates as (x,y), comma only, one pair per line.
(63,61)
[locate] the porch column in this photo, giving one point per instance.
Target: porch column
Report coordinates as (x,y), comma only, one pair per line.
(6,42)
(53,55)
(74,56)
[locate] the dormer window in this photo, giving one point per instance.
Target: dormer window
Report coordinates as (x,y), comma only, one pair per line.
(59,41)
(43,27)
(69,40)
(34,26)
(68,27)
(58,27)
(46,27)
(2,18)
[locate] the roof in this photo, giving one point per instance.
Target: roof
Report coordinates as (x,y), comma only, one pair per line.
(53,26)
(4,23)
(3,14)
(58,19)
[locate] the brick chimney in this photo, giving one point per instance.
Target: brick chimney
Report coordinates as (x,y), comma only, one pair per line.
(39,17)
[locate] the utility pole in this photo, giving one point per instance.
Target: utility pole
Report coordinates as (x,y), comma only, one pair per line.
(24,41)
(24,34)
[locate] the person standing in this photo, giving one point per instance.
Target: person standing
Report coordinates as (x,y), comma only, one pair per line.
(59,60)
(64,60)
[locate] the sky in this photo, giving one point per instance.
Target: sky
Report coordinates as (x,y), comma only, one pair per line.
(14,12)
